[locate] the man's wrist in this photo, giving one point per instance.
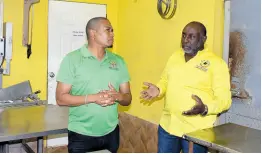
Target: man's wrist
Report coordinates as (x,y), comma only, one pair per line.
(119,97)
(86,101)
(90,98)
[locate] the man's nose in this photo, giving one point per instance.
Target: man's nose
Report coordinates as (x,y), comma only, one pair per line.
(112,34)
(185,40)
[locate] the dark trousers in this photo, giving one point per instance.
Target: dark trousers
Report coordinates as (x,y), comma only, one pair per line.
(78,143)
(168,143)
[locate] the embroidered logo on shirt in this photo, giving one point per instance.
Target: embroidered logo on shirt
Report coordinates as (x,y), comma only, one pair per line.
(113,65)
(203,65)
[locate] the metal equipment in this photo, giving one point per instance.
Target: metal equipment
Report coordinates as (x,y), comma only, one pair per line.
(19,95)
(6,41)
(26,42)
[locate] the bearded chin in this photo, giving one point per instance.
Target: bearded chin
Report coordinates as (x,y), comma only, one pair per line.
(193,51)
(188,51)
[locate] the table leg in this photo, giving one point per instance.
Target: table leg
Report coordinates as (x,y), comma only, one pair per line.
(1,148)
(40,145)
(191,145)
(4,147)
(26,147)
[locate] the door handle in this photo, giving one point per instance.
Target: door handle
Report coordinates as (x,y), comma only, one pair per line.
(51,74)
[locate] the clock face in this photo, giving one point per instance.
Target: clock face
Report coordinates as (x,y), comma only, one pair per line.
(166,8)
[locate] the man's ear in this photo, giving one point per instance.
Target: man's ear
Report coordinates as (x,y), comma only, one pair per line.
(204,38)
(91,33)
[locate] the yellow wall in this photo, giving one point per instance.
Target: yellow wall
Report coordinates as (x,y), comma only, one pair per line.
(218,27)
(35,68)
(146,41)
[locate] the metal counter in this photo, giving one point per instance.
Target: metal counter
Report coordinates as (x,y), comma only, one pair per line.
(18,123)
(228,138)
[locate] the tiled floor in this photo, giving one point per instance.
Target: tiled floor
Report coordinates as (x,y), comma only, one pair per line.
(17,148)
(62,149)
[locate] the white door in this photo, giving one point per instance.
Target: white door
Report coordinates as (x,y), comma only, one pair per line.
(66,32)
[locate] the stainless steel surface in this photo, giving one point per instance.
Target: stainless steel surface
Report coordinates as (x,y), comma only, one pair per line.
(15,91)
(228,138)
(21,104)
(40,145)
(32,121)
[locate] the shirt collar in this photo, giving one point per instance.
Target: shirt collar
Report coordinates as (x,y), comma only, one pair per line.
(199,52)
(86,53)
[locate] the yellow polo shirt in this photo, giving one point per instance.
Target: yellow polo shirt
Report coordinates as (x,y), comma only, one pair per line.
(207,76)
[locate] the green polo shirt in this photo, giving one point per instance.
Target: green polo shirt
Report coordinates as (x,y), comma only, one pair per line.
(87,76)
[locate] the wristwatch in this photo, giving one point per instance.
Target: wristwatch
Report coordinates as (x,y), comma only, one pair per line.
(205,111)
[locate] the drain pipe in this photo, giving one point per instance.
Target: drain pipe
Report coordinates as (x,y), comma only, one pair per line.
(226,30)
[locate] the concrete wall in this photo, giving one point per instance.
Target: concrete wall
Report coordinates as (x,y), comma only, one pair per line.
(246,18)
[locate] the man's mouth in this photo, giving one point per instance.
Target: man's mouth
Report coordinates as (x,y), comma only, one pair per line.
(186,48)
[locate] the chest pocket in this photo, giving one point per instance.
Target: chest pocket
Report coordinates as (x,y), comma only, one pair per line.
(112,74)
(84,74)
(190,76)
(199,76)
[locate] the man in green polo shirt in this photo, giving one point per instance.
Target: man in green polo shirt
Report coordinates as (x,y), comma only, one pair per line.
(92,82)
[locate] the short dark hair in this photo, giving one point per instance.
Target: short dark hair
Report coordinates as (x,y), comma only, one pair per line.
(92,24)
(202,27)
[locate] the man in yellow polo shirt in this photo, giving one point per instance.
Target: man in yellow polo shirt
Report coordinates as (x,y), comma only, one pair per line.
(92,82)
(196,86)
